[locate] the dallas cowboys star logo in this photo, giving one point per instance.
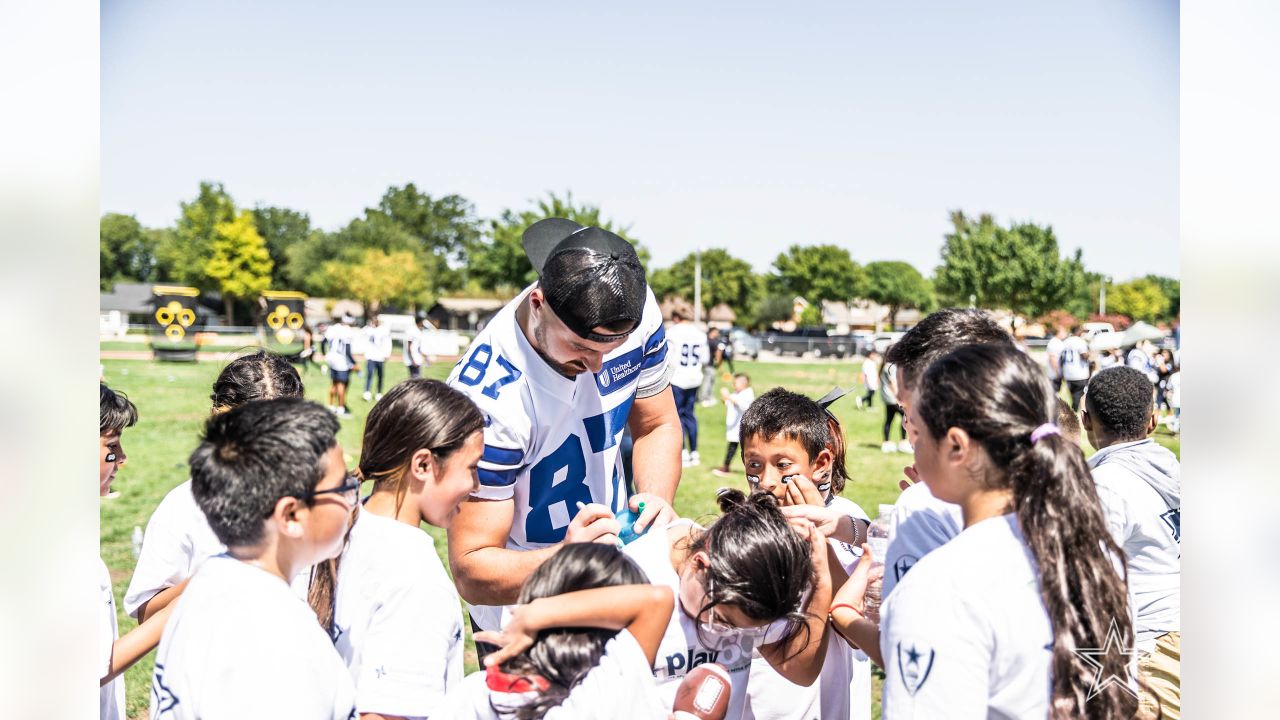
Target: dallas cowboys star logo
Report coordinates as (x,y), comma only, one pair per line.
(165,700)
(381,670)
(1111,646)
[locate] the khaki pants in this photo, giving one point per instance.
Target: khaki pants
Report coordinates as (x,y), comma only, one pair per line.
(1161,676)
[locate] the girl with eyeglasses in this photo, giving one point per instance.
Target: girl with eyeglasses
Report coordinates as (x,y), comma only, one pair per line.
(751,580)
(388,604)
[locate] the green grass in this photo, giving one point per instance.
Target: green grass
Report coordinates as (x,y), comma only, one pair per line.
(173,401)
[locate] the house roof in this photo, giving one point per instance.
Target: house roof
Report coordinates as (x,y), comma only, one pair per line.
(127,298)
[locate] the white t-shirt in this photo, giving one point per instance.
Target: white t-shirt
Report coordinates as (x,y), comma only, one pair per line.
(240,644)
(551,442)
(734,410)
(377,342)
(687,346)
(920,524)
(1075,366)
(1053,354)
(620,687)
(682,649)
(966,634)
(1149,532)
(178,540)
(1139,360)
(397,619)
(870,374)
(340,354)
(413,347)
(111,695)
(843,690)
(1173,389)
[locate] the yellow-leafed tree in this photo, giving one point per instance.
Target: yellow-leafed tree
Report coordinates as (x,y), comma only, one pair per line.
(378,277)
(239,263)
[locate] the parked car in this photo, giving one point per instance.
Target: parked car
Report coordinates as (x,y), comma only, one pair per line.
(745,345)
(812,340)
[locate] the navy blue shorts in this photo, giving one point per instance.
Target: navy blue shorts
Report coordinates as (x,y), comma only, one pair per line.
(339,376)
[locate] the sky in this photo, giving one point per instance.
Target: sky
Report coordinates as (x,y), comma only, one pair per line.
(739,125)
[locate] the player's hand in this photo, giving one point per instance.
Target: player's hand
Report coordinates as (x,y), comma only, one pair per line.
(829,522)
(512,640)
(657,511)
(913,477)
(800,490)
(593,523)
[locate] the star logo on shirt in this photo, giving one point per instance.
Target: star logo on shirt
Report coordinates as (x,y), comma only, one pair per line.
(336,633)
(914,665)
(1111,646)
(165,699)
(380,671)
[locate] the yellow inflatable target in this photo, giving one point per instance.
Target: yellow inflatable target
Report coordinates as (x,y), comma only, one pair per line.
(186,317)
(274,321)
(294,321)
(164,315)
(284,336)
(175,332)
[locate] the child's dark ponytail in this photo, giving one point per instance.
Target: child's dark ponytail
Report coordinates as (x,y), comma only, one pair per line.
(1001,398)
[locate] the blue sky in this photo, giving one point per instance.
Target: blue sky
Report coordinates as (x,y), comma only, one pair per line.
(738,125)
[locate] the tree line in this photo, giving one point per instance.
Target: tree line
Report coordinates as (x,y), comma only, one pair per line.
(411,248)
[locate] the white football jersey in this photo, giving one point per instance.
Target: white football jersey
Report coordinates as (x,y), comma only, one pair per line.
(551,442)
(1074,364)
(397,619)
(617,688)
(340,350)
(920,524)
(843,690)
(966,635)
(376,342)
(688,348)
(178,540)
(240,644)
(1053,350)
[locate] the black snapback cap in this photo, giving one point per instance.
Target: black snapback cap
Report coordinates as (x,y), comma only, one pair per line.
(590,276)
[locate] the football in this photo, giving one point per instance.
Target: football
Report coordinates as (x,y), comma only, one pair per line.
(703,694)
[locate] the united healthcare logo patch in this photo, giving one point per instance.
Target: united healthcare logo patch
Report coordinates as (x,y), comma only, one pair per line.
(618,372)
(915,661)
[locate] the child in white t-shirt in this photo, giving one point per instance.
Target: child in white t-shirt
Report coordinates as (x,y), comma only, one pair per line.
(977,629)
(178,537)
(392,610)
(271,480)
(579,644)
(793,448)
(735,404)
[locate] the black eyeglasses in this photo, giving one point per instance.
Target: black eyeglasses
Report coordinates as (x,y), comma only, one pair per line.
(349,491)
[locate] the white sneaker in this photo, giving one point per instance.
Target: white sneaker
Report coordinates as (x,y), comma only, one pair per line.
(858,400)
(888,446)
(694,458)
(367,397)
(708,403)
(904,447)
(378,396)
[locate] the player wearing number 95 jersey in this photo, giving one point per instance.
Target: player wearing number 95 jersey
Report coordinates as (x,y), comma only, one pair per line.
(559,373)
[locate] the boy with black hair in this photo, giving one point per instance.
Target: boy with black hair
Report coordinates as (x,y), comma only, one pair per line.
(1140,487)
(270,478)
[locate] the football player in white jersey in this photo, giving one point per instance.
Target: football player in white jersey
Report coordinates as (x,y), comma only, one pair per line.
(687,346)
(339,355)
(1139,483)
(1023,612)
(559,373)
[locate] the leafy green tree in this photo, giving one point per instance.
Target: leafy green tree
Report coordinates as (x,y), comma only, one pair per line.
(500,262)
(282,228)
(817,273)
(811,315)
(126,251)
(1084,301)
(185,253)
(1018,267)
(1141,299)
(378,278)
(899,285)
(770,309)
(446,227)
(1171,288)
(725,279)
(238,261)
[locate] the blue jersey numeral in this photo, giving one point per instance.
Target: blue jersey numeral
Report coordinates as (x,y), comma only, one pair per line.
(477,365)
(548,497)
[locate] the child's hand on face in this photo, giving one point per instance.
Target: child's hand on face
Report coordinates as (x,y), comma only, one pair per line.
(800,490)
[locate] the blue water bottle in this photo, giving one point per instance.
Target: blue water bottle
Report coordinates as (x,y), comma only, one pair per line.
(628,520)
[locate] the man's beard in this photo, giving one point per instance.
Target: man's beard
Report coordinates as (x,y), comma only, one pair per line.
(569,370)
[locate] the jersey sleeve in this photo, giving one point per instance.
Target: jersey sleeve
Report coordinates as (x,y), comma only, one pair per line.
(403,669)
(655,367)
(165,558)
(937,656)
(915,534)
(508,434)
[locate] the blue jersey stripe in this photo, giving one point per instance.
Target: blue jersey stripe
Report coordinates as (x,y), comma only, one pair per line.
(655,359)
(502,456)
(497,478)
(656,340)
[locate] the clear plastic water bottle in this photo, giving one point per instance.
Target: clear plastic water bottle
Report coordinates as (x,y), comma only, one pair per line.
(137,541)
(878,539)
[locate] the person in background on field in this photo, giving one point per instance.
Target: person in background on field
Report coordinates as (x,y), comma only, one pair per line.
(1139,484)
(377,348)
(178,538)
(307,357)
(1140,358)
(1164,368)
(735,403)
(889,394)
(414,358)
(1053,357)
(116,654)
(1074,361)
(870,379)
(688,348)
(715,347)
(339,355)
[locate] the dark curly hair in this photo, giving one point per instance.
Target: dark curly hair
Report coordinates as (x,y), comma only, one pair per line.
(1120,401)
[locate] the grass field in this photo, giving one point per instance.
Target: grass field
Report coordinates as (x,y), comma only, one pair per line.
(173,401)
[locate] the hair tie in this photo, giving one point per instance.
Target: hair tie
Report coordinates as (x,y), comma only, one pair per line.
(1044,431)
